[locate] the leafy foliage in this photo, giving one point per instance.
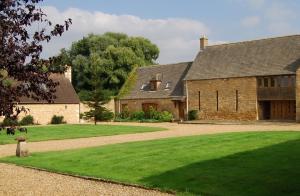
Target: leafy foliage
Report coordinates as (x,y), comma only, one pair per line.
(9,121)
(27,120)
(150,116)
(98,96)
(193,114)
(57,120)
(21,69)
(129,83)
(117,53)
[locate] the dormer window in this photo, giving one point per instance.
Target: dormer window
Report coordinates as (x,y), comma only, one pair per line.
(168,86)
(155,82)
(143,87)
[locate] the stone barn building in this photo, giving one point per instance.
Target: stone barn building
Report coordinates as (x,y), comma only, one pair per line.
(66,104)
(249,80)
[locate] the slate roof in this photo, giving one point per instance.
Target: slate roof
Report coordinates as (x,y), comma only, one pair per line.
(272,56)
(172,73)
(65,93)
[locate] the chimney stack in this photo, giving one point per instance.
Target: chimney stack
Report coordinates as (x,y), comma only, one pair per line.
(68,73)
(203,43)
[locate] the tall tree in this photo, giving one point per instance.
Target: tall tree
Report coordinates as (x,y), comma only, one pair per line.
(22,72)
(118,52)
(98,96)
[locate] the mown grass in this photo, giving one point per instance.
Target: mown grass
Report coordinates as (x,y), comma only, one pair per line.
(59,132)
(249,163)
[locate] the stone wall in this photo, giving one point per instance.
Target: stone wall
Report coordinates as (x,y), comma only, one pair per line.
(110,106)
(242,91)
(42,113)
(298,95)
(162,105)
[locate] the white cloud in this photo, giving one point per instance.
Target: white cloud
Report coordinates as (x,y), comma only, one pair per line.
(176,37)
(256,3)
(250,21)
(279,19)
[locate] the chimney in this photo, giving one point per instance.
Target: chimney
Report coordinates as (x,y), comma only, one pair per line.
(203,43)
(68,73)
(155,82)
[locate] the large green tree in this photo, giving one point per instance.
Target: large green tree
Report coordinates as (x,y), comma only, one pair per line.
(117,55)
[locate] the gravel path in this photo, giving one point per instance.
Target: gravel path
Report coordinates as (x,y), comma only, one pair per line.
(23,181)
(174,130)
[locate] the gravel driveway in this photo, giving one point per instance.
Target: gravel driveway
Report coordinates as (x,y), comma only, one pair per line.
(174,130)
(23,181)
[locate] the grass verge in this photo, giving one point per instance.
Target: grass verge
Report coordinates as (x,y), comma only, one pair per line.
(60,132)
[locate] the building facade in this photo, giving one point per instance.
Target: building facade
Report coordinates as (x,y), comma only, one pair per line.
(66,103)
(160,87)
(250,80)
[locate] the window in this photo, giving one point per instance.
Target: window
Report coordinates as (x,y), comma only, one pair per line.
(260,82)
(236,100)
(168,86)
(266,82)
(143,87)
(199,97)
(217,93)
(272,82)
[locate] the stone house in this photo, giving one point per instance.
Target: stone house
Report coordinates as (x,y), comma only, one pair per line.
(249,80)
(157,86)
(66,104)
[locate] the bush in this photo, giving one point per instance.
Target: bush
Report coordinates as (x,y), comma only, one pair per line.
(27,120)
(193,114)
(125,114)
(9,122)
(106,115)
(57,120)
(165,116)
(153,114)
(138,115)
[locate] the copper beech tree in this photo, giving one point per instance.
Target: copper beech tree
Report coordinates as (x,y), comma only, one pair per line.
(22,71)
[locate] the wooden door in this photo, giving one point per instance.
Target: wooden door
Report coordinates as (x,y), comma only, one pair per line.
(181,110)
(283,110)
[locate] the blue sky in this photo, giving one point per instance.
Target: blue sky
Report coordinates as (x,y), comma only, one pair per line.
(176,25)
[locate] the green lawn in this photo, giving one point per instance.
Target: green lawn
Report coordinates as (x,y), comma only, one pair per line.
(249,163)
(59,132)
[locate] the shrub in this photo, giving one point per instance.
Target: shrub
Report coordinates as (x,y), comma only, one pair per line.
(57,120)
(193,114)
(27,120)
(153,114)
(165,116)
(10,122)
(105,115)
(138,115)
(125,114)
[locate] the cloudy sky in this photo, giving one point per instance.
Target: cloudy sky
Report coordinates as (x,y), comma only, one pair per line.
(175,25)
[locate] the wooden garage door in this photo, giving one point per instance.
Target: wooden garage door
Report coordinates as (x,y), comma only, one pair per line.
(285,110)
